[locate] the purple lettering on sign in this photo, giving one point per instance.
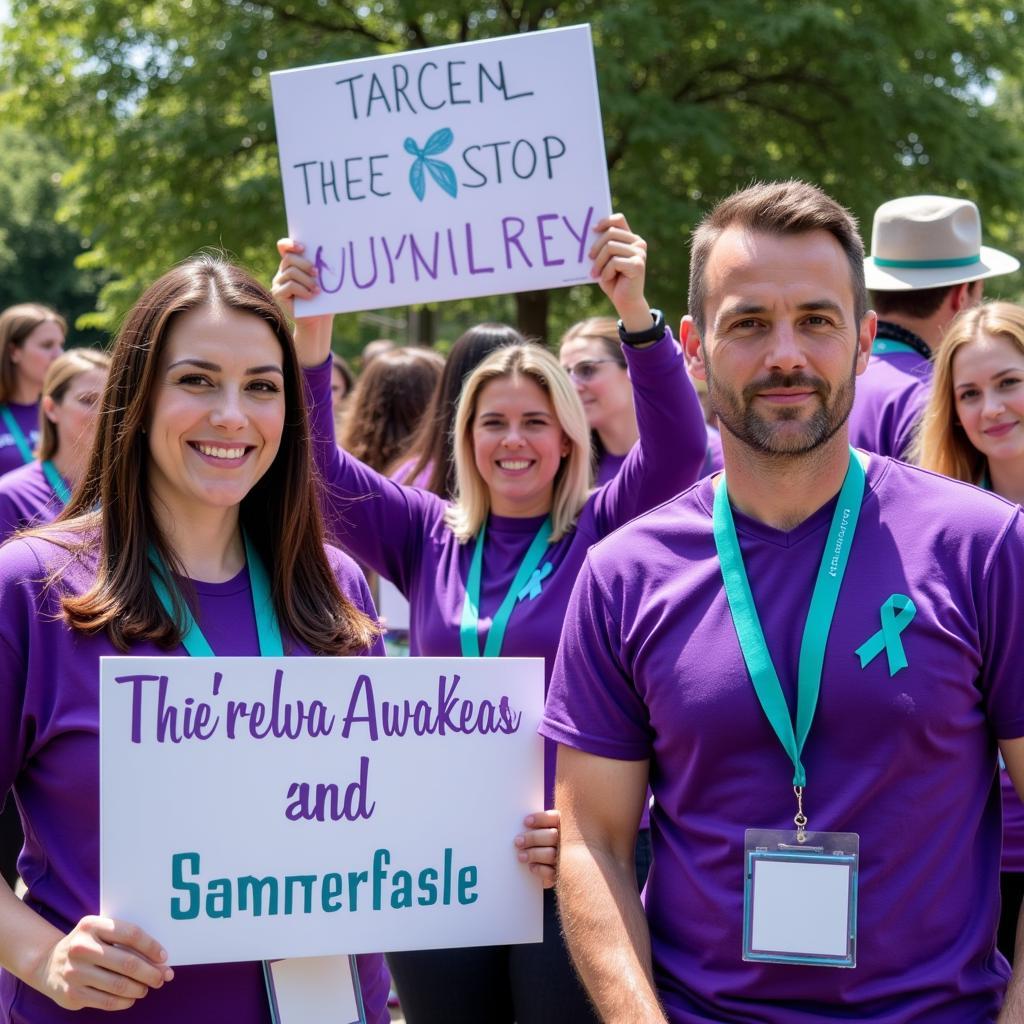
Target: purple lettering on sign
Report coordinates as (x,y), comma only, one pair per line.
(513,239)
(545,238)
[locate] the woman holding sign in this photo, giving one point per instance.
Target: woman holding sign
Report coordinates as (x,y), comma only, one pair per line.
(195,531)
(31,337)
(491,572)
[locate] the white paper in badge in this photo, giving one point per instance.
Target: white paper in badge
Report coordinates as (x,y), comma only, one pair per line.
(314,990)
(800,898)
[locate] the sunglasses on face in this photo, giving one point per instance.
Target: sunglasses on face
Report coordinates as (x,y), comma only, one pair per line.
(586,369)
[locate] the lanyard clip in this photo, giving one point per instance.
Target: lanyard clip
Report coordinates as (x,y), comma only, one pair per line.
(800,820)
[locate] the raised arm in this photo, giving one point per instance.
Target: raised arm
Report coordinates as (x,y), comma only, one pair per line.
(672,446)
(377,521)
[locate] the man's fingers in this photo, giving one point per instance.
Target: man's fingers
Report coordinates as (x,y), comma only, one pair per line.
(547,837)
(286,245)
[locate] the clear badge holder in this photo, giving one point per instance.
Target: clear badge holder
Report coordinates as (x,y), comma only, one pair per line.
(314,990)
(800,897)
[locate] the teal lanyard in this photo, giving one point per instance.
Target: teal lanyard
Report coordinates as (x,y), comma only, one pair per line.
(469,630)
(56,481)
(816,628)
(881,346)
(17,433)
(267,628)
(985,483)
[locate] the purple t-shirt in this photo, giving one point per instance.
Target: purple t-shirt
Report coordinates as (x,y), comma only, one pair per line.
(401,534)
(890,397)
(26,499)
(650,668)
(27,417)
(49,753)
(713,461)
(608,467)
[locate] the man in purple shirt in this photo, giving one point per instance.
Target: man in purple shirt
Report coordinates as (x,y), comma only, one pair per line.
(927,263)
(685,661)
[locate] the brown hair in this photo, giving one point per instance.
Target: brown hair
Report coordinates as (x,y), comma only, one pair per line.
(431,448)
(777,208)
(16,324)
(59,377)
(387,404)
(281,514)
(941,444)
(919,303)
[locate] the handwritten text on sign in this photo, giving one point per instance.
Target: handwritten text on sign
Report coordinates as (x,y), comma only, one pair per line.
(464,170)
(256,808)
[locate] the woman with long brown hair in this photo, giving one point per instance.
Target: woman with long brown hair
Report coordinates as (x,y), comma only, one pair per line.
(198,507)
(31,337)
(972,429)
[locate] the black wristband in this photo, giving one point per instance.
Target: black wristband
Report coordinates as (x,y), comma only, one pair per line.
(652,333)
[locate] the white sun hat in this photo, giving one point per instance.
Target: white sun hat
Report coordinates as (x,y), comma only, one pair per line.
(927,242)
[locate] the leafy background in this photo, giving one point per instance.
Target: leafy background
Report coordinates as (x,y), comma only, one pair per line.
(136,132)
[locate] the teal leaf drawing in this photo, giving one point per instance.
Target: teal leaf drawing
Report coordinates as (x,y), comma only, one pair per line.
(416,179)
(438,142)
(443,175)
(441,172)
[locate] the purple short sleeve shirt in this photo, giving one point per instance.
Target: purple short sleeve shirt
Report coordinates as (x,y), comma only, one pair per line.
(650,668)
(890,397)
(26,499)
(49,726)
(27,417)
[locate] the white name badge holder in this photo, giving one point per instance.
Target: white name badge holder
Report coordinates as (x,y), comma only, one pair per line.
(799,887)
(800,897)
(314,990)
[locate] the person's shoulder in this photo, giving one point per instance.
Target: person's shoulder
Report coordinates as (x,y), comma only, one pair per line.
(346,570)
(896,371)
(928,501)
(660,532)
(24,477)
(50,554)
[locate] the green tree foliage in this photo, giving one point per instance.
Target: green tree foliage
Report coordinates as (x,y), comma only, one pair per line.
(165,109)
(37,253)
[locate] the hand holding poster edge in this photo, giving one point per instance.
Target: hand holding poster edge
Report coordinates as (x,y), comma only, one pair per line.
(501,215)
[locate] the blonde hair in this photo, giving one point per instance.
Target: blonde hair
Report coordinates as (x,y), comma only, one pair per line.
(59,377)
(941,444)
(572,482)
(16,324)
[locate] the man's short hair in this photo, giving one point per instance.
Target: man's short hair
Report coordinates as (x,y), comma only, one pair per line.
(918,303)
(777,208)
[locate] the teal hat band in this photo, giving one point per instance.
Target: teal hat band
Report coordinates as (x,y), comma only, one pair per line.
(965,261)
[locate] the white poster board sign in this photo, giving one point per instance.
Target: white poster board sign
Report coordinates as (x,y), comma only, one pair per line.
(447,173)
(257,808)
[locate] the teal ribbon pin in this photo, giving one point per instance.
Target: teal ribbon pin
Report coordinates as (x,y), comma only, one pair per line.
(532,588)
(897,613)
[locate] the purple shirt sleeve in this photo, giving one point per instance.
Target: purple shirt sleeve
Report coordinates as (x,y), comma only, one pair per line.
(1002,642)
(673,441)
(379,522)
(590,684)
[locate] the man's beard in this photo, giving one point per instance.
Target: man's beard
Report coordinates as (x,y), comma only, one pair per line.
(738,416)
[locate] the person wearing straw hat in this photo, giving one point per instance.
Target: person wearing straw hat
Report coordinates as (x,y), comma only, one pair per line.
(927,264)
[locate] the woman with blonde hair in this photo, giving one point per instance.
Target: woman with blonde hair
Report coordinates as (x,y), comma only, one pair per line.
(31,337)
(36,493)
(973,430)
(490,573)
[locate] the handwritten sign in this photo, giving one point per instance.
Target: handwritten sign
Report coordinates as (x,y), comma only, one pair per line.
(465,170)
(258,808)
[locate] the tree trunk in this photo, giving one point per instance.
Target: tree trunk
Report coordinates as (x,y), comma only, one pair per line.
(422,326)
(532,314)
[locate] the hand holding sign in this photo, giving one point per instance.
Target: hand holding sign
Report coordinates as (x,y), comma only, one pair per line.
(620,266)
(538,845)
(296,279)
(102,963)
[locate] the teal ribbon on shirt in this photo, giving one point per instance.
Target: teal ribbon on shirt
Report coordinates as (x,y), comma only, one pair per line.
(882,346)
(897,613)
(527,583)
